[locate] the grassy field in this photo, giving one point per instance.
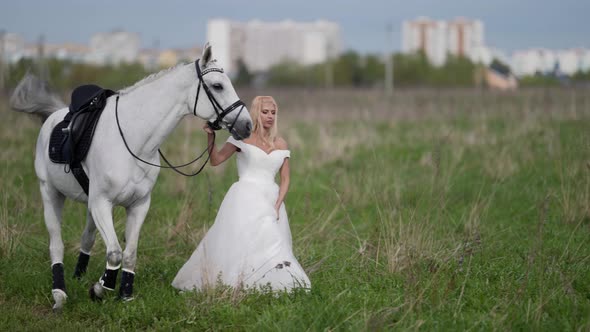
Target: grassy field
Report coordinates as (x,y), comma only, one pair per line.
(432,210)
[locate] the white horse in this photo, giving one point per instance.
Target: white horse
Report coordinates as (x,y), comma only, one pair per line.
(147,113)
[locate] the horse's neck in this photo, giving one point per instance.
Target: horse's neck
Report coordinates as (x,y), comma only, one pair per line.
(149,113)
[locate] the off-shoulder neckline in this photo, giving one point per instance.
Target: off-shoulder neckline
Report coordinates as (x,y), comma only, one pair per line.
(257,147)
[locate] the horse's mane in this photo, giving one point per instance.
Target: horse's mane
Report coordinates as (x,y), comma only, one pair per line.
(150,78)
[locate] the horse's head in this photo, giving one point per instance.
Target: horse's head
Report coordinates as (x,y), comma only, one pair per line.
(218,101)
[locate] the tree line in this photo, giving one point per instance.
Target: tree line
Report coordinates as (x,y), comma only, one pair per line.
(347,70)
(64,75)
(354,70)
(409,70)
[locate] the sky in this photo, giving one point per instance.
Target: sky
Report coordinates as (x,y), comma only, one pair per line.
(508,24)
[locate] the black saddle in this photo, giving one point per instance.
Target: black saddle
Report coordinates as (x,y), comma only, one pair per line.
(71,138)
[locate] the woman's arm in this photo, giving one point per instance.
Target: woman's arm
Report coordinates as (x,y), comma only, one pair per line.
(285,178)
(284,186)
(218,157)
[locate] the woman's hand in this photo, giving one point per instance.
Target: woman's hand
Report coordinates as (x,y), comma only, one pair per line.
(208,129)
(277,210)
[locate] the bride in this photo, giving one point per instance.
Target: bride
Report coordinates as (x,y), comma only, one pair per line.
(249,245)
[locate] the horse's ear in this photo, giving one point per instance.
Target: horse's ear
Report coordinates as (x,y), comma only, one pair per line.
(206,57)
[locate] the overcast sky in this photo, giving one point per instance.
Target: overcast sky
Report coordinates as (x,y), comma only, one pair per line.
(508,24)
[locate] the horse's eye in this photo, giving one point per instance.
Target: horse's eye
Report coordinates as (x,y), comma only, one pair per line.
(217,86)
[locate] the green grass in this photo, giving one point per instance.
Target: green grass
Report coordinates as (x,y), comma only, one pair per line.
(474,218)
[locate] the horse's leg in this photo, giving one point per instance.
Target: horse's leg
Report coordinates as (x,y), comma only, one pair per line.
(53,203)
(135,217)
(86,245)
(102,214)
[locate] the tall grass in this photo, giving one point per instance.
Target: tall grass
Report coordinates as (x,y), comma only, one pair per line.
(440,210)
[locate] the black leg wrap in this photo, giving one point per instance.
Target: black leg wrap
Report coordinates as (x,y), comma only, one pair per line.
(126,290)
(81,265)
(58,276)
(109,279)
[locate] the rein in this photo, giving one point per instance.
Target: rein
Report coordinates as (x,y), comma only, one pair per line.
(215,125)
(170,166)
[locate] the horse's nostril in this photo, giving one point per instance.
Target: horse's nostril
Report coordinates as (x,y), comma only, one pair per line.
(248,127)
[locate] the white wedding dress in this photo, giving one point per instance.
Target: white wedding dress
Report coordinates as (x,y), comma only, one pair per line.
(247,246)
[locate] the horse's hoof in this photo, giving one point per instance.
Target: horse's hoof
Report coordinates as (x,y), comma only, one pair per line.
(126,298)
(96,292)
(57,309)
(60,298)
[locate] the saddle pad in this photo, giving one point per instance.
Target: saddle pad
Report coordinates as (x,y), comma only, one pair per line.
(60,143)
(57,143)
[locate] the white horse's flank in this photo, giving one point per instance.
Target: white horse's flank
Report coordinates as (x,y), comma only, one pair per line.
(148,112)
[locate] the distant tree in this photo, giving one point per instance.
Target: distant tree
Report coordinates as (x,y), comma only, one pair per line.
(287,73)
(373,71)
(581,76)
(457,71)
(315,75)
(415,70)
(121,76)
(539,80)
(347,70)
(17,70)
(411,69)
(243,77)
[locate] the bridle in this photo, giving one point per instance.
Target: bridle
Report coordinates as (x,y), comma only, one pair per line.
(221,113)
(217,124)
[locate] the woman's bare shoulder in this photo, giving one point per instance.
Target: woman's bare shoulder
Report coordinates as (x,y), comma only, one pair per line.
(281,144)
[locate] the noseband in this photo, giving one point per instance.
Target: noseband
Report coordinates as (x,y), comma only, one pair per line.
(221,113)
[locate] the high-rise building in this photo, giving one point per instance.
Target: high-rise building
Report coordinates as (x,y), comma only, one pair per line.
(437,39)
(260,45)
(464,36)
(428,36)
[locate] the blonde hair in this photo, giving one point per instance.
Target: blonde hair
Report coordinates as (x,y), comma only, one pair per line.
(255,110)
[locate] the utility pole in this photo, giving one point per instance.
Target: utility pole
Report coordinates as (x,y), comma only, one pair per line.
(389,60)
(42,67)
(2,76)
(392,59)
(329,69)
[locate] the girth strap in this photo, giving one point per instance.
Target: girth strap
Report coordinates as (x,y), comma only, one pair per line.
(81,176)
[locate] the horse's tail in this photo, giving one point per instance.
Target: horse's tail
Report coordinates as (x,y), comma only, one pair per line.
(33,95)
